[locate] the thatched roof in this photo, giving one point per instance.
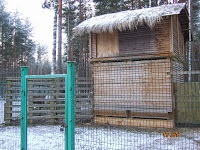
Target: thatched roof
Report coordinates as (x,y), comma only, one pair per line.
(129,19)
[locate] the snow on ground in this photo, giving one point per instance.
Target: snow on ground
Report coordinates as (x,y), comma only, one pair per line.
(51,138)
(97,138)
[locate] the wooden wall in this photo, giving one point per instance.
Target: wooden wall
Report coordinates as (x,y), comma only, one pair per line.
(187,103)
(136,87)
(139,42)
(178,44)
(107,44)
(146,41)
(133,88)
(93,45)
(104,45)
(166,38)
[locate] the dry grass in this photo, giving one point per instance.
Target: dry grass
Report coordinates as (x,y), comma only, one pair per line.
(129,19)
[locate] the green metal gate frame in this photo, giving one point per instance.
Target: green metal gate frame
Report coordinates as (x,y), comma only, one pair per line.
(69,118)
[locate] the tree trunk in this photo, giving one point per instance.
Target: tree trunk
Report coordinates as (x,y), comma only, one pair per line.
(190,51)
(60,37)
(69,37)
(53,69)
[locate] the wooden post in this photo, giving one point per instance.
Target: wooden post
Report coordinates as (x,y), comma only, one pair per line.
(52,101)
(8,105)
(5,112)
(30,102)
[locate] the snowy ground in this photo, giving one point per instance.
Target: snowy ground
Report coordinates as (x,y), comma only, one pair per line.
(96,138)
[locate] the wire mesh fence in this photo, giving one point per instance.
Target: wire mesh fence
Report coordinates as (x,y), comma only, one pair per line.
(8,132)
(46,113)
(124,104)
(142,104)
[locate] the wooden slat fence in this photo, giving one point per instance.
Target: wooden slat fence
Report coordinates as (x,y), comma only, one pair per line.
(84,99)
(187,103)
(46,101)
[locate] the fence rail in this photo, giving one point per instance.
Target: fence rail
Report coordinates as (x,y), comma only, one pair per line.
(46,101)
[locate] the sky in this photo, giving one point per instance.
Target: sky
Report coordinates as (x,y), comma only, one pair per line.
(41,19)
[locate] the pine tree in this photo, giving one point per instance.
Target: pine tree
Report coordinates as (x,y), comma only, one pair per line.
(196,20)
(109,6)
(196,32)
(16,45)
(75,13)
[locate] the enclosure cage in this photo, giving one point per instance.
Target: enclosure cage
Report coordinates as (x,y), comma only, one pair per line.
(129,95)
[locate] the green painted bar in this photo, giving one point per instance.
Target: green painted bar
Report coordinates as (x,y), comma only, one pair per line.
(70,106)
(66,115)
(46,76)
(23,109)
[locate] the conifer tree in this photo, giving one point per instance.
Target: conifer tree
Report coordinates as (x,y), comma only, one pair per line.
(109,6)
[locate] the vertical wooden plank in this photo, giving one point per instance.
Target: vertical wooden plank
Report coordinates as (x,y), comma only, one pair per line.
(5,112)
(107,44)
(188,114)
(30,101)
(172,115)
(178,33)
(93,49)
(171,34)
(9,99)
(185,104)
(52,102)
(197,106)
(90,45)
(180,103)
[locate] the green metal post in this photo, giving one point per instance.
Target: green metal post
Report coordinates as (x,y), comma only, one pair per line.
(23,108)
(70,113)
(66,117)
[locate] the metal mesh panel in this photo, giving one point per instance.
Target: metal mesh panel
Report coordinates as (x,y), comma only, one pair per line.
(140,104)
(127,104)
(46,113)
(9,107)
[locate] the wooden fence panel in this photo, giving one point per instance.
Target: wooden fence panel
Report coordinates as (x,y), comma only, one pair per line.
(46,100)
(187,102)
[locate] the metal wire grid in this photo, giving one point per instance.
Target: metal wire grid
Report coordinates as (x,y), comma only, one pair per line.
(135,106)
(46,113)
(102,124)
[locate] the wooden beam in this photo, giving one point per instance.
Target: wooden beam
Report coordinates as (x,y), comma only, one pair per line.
(145,57)
(187,72)
(133,122)
(130,114)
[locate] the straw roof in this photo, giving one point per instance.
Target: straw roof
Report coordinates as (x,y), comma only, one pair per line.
(129,19)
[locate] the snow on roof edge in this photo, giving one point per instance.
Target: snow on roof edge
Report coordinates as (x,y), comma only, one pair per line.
(129,19)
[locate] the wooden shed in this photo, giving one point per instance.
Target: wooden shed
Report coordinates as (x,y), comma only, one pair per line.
(134,56)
